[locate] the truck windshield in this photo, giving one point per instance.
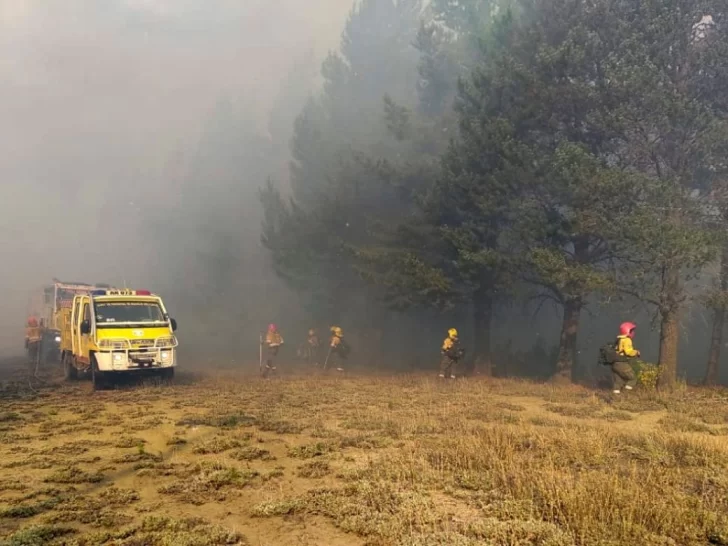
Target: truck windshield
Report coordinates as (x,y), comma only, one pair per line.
(108,313)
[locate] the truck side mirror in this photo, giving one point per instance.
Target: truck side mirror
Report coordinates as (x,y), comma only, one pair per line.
(85,327)
(173,323)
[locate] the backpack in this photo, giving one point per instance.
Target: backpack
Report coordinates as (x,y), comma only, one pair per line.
(608,354)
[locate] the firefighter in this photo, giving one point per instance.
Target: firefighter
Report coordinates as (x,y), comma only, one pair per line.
(32,337)
(622,373)
(273,341)
(32,333)
(451,354)
(337,349)
(312,347)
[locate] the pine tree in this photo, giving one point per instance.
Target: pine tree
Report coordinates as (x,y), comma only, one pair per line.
(717,300)
(410,255)
(663,71)
(569,199)
(552,155)
(515,181)
(335,191)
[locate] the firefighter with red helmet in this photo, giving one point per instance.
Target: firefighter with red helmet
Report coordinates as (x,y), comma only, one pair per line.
(32,331)
(623,375)
(273,341)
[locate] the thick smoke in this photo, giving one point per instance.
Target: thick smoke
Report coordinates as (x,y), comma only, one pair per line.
(105,106)
(135,134)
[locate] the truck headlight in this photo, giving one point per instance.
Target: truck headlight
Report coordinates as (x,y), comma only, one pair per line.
(118,357)
(165,355)
(58,339)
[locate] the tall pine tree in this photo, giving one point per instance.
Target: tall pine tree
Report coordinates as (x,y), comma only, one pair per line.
(334,189)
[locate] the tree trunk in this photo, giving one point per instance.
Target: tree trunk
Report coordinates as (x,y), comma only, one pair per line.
(567,343)
(669,336)
(712,372)
(716,339)
(482,318)
(669,332)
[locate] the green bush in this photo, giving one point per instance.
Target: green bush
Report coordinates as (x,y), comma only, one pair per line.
(647,373)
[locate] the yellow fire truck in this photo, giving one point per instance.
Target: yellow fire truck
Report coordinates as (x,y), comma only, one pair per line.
(43,335)
(109,332)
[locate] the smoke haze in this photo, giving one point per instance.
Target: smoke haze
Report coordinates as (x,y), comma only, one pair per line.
(103,104)
(135,136)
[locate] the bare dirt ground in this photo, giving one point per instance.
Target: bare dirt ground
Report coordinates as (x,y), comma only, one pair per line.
(230,459)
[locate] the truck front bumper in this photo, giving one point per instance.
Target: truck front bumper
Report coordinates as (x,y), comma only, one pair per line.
(120,361)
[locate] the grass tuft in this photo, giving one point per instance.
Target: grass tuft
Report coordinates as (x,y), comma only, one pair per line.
(73,474)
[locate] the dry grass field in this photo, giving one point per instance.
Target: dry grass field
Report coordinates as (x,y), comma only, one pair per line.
(230,459)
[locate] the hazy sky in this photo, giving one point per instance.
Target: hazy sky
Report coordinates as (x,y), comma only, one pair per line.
(98,97)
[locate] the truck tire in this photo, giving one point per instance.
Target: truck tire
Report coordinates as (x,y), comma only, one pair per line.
(51,356)
(167,374)
(70,373)
(98,378)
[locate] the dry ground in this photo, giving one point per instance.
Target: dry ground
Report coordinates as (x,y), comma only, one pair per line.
(410,461)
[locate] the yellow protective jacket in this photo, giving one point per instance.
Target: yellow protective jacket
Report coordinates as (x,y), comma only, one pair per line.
(625,347)
(32,334)
(273,339)
(450,347)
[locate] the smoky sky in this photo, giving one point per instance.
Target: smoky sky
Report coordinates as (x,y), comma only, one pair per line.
(99,102)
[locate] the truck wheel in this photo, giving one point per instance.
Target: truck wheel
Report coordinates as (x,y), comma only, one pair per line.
(97,376)
(167,374)
(70,373)
(45,354)
(51,356)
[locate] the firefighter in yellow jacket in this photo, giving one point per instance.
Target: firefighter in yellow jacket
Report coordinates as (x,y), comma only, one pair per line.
(451,354)
(33,338)
(273,342)
(32,331)
(337,349)
(622,373)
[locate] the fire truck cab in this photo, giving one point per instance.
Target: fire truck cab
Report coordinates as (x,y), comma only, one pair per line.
(109,332)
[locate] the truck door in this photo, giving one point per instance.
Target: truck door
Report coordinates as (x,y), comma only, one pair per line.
(85,338)
(75,323)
